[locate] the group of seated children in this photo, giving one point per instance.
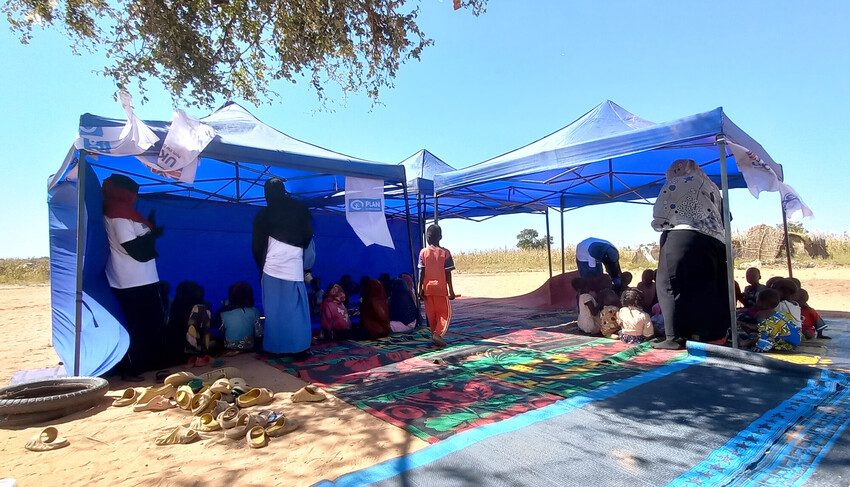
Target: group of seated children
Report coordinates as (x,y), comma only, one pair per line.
(776,315)
(619,313)
(194,333)
(385,306)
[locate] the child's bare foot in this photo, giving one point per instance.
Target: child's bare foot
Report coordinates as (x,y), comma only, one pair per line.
(438,341)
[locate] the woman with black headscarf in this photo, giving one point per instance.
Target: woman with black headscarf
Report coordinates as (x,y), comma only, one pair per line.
(283,231)
(692,278)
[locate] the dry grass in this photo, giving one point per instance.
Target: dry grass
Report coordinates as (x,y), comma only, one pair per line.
(25,271)
(516,260)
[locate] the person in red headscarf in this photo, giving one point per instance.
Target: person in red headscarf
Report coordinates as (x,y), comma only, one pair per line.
(131,272)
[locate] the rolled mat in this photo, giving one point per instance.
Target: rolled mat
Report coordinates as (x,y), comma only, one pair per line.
(751,358)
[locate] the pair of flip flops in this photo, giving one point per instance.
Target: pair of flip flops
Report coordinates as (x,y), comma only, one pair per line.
(47,440)
(256,428)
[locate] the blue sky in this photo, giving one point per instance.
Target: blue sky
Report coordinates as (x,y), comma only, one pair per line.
(492,83)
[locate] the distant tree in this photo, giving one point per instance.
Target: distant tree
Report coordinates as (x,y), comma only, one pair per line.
(200,49)
(794,227)
(528,239)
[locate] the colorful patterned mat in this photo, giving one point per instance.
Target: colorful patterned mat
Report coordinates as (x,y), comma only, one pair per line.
(496,366)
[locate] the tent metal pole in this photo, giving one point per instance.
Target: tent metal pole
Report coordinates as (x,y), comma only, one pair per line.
(81,248)
(787,240)
(548,242)
(436,209)
(563,261)
(727,236)
(236,171)
(410,240)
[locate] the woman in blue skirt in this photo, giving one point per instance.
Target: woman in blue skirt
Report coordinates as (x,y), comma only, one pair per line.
(283,232)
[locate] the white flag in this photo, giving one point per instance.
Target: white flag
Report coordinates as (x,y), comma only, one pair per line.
(186,139)
(792,203)
(757,173)
(132,139)
(761,177)
(364,211)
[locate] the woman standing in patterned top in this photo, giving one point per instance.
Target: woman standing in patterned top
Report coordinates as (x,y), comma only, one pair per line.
(692,279)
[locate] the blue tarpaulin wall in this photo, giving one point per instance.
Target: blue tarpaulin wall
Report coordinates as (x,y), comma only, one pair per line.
(207,223)
(205,241)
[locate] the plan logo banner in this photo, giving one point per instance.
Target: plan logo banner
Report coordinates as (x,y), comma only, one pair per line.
(364,211)
(366,204)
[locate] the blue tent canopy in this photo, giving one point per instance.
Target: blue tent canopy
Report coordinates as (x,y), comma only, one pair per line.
(421,168)
(208,224)
(607,155)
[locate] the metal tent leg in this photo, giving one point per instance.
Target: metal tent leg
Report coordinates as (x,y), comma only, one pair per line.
(81,249)
(548,243)
(787,240)
(727,236)
(563,262)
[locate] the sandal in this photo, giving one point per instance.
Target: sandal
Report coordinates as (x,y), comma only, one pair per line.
(130,396)
(257,396)
(166,391)
(226,372)
(256,437)
(244,423)
(204,423)
(184,397)
(227,418)
(47,440)
(179,378)
(308,394)
(281,426)
(156,403)
(178,436)
(221,386)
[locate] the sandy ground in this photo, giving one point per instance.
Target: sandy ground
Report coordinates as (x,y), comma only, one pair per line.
(114,446)
(829,288)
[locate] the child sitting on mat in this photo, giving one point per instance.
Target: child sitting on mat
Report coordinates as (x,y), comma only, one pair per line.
(336,323)
(813,324)
(777,330)
(635,323)
(588,311)
(754,287)
(608,324)
(240,320)
(647,287)
(787,290)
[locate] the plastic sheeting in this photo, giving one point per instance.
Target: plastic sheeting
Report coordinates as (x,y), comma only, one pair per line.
(607,155)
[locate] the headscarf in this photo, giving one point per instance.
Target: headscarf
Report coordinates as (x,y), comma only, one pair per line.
(336,294)
(374,310)
(334,314)
(411,286)
(119,199)
(402,305)
(284,219)
(689,198)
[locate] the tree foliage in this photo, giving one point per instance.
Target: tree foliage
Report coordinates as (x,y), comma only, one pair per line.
(234,48)
(528,239)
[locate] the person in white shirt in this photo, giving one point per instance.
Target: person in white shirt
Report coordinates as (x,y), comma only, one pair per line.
(592,254)
(282,248)
(131,272)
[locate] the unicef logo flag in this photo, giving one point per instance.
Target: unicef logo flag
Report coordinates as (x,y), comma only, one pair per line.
(364,211)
